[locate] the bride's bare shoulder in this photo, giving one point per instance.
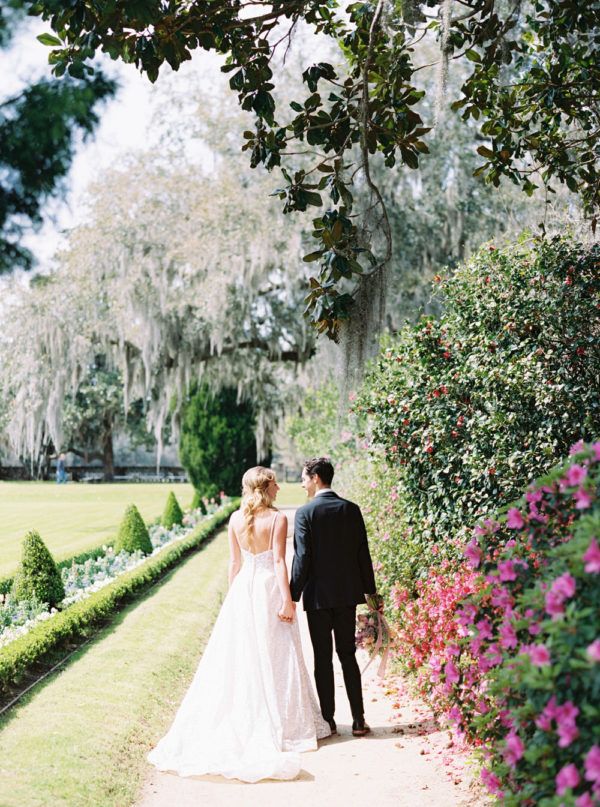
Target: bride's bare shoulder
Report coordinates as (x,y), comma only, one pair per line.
(236,518)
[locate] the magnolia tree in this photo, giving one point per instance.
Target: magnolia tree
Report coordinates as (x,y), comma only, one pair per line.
(531,89)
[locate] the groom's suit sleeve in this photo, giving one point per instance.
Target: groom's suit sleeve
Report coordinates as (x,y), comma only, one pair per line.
(301,562)
(364,558)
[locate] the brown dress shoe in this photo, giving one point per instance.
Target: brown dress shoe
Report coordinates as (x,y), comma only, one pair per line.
(359,727)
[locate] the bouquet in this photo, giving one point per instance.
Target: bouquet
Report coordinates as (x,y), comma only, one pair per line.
(373,632)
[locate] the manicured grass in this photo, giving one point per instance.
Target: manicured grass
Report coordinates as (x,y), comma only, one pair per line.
(74,517)
(81,737)
(290,495)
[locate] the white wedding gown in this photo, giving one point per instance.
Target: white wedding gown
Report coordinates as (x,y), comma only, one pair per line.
(251,708)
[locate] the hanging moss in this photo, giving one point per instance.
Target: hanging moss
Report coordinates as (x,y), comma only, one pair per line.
(133,533)
(173,514)
(38,575)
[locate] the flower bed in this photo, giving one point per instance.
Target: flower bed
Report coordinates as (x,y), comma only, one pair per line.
(82,617)
(80,579)
(514,664)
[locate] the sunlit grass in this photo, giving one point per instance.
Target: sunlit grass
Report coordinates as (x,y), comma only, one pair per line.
(81,737)
(74,517)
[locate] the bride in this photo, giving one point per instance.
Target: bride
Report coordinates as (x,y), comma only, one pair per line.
(250,709)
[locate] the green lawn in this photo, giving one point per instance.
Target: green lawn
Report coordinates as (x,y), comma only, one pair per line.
(75,517)
(81,737)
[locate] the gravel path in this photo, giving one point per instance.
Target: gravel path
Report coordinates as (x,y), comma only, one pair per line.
(406,760)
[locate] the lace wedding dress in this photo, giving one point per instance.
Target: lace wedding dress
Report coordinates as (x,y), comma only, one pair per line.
(251,708)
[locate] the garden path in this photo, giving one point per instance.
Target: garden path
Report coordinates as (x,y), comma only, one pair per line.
(407,760)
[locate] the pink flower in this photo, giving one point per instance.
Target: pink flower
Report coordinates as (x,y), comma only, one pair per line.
(592,557)
(508,637)
(565,723)
(514,749)
(596,450)
(534,496)
(472,553)
(593,650)
(491,781)
(564,585)
(544,720)
(539,655)
(514,519)
(452,674)
(575,475)
(592,764)
(567,777)
(582,499)
(500,597)
(576,448)
(554,604)
(484,626)
(494,655)
(585,800)
(506,570)
(373,485)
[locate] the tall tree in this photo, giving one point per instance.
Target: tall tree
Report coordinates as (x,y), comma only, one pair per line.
(39,127)
(172,279)
(532,89)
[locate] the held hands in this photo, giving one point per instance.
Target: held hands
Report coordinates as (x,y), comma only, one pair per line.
(287,612)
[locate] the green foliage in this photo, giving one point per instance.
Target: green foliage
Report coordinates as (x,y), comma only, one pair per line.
(173,514)
(82,618)
(39,129)
(38,575)
(314,428)
(217,440)
(468,408)
(198,503)
(531,66)
(133,533)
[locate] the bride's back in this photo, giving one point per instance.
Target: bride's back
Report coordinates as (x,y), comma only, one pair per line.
(260,539)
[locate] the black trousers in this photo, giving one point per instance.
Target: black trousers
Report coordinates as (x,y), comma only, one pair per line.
(341,622)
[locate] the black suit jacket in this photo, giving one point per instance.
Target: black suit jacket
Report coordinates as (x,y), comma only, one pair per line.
(332,564)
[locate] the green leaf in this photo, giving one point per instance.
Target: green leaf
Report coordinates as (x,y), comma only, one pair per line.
(50,40)
(472,55)
(313,256)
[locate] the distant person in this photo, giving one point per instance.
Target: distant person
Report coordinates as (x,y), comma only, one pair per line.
(61,472)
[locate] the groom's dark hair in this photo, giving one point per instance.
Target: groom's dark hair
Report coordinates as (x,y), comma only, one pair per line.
(322,467)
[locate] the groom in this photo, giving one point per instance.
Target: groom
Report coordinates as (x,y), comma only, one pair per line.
(333,571)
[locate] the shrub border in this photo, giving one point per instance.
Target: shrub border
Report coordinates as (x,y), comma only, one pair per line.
(77,619)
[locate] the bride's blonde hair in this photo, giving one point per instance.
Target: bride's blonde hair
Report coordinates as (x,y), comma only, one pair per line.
(255,483)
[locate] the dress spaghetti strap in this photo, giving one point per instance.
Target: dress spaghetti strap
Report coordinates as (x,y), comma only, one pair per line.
(272,530)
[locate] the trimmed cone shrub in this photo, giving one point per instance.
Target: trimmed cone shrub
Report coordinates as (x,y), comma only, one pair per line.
(38,575)
(173,514)
(198,503)
(133,533)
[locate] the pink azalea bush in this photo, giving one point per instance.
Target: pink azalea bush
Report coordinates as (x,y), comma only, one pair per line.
(529,685)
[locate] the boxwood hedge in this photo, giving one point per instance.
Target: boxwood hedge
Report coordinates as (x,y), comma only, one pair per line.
(82,618)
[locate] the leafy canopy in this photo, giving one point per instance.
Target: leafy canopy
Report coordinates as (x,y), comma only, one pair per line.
(38,130)
(532,89)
